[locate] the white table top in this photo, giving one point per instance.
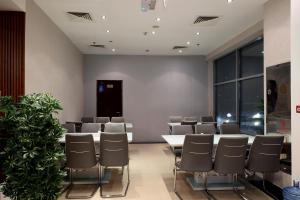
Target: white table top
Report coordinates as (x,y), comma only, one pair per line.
(96,137)
(177,140)
(198,123)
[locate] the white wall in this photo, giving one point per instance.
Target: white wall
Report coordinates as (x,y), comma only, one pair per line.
(154,87)
(52,63)
(276,51)
(295,82)
(277,32)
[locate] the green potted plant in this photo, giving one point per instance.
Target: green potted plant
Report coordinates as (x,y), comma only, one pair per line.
(32,153)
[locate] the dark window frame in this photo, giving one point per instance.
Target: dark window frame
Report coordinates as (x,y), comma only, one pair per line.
(238,78)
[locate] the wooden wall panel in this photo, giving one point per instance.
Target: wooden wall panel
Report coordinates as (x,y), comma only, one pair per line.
(12,54)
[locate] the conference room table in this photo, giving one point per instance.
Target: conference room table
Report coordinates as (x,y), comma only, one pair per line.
(96,137)
(215,182)
(78,125)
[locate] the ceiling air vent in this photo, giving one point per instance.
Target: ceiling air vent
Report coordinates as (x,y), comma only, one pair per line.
(206,20)
(79,16)
(179,47)
(97,45)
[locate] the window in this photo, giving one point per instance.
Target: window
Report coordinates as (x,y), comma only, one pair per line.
(226,102)
(238,82)
(225,68)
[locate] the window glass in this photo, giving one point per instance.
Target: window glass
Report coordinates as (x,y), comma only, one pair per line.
(252,59)
(226,102)
(225,68)
(252,106)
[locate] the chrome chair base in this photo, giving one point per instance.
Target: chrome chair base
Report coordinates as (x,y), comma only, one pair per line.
(206,193)
(115,195)
(71,185)
(235,189)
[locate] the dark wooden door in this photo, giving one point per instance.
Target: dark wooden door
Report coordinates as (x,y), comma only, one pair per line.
(109,98)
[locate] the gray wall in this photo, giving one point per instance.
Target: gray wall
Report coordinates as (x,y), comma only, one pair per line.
(52,63)
(154,87)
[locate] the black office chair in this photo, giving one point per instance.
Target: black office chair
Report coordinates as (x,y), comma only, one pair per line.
(70,128)
(230,158)
(80,155)
(114,153)
(90,127)
(205,129)
(117,120)
(175,119)
(229,128)
(102,120)
(192,118)
(207,119)
(87,119)
(180,130)
(196,157)
(264,156)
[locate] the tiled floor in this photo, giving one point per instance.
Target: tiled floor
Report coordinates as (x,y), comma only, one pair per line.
(151,176)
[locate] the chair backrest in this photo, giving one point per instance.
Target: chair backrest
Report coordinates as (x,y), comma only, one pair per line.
(182,129)
(102,120)
(90,127)
(229,128)
(87,119)
(264,154)
(118,119)
(69,127)
(230,155)
(115,128)
(192,118)
(80,151)
(205,129)
(207,119)
(197,153)
(175,119)
(114,149)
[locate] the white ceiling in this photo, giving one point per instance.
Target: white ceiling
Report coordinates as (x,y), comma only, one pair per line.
(127,22)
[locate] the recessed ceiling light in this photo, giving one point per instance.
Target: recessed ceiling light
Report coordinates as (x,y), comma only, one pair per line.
(229,1)
(198,44)
(103,17)
(107,31)
(180,51)
(157,19)
(147,50)
(113,50)
(188,42)
(153,32)
(198,33)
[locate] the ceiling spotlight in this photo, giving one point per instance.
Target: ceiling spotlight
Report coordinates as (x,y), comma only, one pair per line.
(103,17)
(107,31)
(198,33)
(229,1)
(147,50)
(113,50)
(188,42)
(157,19)
(153,32)
(180,51)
